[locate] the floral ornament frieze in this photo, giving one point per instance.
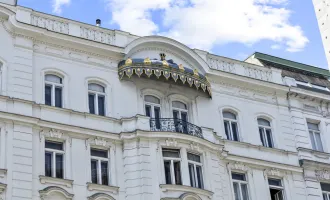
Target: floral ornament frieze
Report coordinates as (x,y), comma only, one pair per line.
(322,174)
(166,69)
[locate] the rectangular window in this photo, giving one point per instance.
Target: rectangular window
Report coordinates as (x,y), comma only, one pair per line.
(54,159)
(172,166)
(325,191)
(101,105)
(99,167)
(231,130)
(315,136)
(240,186)
(195,171)
(276,189)
(48,95)
(266,137)
(58,97)
(91,103)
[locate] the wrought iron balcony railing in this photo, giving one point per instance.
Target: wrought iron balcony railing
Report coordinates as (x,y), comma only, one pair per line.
(175,125)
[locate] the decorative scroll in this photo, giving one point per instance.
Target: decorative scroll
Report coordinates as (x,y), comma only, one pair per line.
(50,24)
(175,125)
(164,69)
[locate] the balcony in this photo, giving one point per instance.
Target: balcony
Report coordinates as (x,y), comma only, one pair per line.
(175,125)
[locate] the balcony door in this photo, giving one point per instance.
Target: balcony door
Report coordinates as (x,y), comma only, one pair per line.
(180,116)
(152,110)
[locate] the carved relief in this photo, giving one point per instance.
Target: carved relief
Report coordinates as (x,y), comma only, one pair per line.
(322,175)
(238,166)
(107,37)
(273,172)
(171,142)
(98,141)
(50,24)
(260,74)
(194,146)
(51,133)
(221,65)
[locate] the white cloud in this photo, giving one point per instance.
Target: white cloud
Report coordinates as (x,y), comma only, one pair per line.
(205,23)
(275,46)
(57,5)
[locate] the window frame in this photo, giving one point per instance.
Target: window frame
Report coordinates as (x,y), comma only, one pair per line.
(55,152)
(240,182)
(264,133)
(152,106)
(200,164)
(180,110)
(96,94)
(53,88)
(99,167)
(327,193)
(282,188)
(313,132)
(172,171)
(230,121)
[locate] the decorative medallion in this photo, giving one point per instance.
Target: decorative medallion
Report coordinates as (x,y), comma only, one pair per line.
(147,61)
(128,62)
(165,63)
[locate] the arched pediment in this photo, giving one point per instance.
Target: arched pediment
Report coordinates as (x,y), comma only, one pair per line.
(189,196)
(55,193)
(100,196)
(152,46)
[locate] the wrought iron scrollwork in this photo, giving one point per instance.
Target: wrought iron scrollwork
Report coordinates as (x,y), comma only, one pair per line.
(175,125)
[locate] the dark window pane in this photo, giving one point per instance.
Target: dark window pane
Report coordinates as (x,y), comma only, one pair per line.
(177,172)
(99,153)
(184,119)
(261,131)
(58,97)
(167,167)
(54,145)
(94,171)
(101,105)
(275,182)
(173,153)
(48,95)
(194,157)
(175,114)
(199,177)
(91,103)
(325,187)
(148,110)
(48,164)
(104,171)
(234,130)
(269,138)
(238,176)
(157,116)
(184,116)
(227,130)
(192,175)
(59,166)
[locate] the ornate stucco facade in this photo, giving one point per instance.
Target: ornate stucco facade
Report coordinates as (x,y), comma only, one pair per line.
(322,10)
(97,114)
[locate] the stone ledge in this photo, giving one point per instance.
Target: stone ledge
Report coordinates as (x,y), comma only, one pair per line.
(3,172)
(2,187)
(184,188)
(56,181)
(318,154)
(103,188)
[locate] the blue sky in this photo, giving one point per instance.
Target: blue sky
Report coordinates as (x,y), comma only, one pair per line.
(231,28)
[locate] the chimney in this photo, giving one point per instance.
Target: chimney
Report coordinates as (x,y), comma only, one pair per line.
(98,22)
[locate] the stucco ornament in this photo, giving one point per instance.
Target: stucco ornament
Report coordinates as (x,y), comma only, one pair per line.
(322,174)
(239,166)
(54,190)
(194,146)
(273,172)
(170,142)
(98,141)
(51,133)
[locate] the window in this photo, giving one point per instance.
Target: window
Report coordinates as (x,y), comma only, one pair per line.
(99,167)
(315,136)
(172,166)
(180,115)
(276,189)
(265,132)
(152,109)
(54,159)
(96,99)
(325,191)
(231,128)
(195,170)
(240,186)
(53,90)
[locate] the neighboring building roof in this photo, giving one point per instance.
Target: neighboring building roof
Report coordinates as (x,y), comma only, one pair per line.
(291,65)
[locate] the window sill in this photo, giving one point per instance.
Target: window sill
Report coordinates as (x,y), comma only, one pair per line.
(184,188)
(319,154)
(2,187)
(3,172)
(56,181)
(102,188)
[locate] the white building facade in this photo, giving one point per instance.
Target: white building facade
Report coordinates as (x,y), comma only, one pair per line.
(97,114)
(322,10)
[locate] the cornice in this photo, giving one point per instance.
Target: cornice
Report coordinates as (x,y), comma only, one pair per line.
(3,172)
(102,188)
(56,181)
(2,188)
(186,189)
(319,154)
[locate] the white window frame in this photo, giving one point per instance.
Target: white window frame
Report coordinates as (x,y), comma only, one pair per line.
(99,160)
(152,106)
(264,133)
(55,152)
(277,187)
(96,95)
(54,85)
(172,159)
(314,137)
(240,182)
(327,195)
(200,164)
(230,121)
(180,110)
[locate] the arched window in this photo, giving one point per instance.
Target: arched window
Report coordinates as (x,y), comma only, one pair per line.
(96,99)
(152,110)
(231,125)
(180,115)
(53,90)
(265,131)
